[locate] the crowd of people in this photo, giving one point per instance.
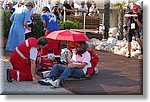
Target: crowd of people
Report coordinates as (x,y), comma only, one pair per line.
(22,10)
(77,61)
(78,58)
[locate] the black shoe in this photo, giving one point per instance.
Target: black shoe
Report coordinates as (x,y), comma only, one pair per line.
(142,51)
(8,75)
(129,55)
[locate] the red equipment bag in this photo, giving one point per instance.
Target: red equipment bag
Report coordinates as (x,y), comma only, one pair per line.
(47,63)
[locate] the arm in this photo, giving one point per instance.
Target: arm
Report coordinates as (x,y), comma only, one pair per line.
(12,17)
(33,56)
(33,66)
(67,58)
(82,65)
(69,10)
(138,23)
(26,26)
(27,19)
(85,61)
(33,15)
(86,11)
(43,19)
(44,24)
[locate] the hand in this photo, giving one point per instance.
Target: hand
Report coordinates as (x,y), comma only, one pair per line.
(136,19)
(35,81)
(66,54)
(44,28)
(29,28)
(70,65)
(39,59)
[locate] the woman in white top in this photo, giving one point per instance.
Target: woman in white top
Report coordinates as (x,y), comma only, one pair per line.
(77,67)
(93,10)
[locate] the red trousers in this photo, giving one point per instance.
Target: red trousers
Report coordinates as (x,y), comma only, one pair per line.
(21,68)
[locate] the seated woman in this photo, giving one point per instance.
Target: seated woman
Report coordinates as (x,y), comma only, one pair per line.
(76,68)
(64,50)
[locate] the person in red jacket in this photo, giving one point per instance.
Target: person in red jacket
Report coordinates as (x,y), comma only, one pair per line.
(94,61)
(23,60)
(50,24)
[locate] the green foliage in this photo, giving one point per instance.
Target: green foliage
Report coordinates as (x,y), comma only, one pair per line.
(6,23)
(123,3)
(38,29)
(70,24)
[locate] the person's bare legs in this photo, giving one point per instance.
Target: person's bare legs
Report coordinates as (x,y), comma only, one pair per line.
(140,43)
(129,49)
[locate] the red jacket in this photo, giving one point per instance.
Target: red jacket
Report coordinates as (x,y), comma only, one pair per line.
(94,58)
(94,61)
(25,47)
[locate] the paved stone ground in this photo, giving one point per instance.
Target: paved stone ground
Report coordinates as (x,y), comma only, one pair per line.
(117,75)
(24,87)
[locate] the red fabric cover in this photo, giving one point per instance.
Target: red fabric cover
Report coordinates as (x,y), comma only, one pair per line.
(53,45)
(47,63)
(94,61)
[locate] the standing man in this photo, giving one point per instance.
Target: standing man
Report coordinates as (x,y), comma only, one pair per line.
(20,18)
(82,9)
(133,27)
(23,60)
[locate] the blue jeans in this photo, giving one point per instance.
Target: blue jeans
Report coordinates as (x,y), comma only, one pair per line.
(65,72)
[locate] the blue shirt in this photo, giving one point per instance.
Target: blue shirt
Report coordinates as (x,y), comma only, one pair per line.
(51,21)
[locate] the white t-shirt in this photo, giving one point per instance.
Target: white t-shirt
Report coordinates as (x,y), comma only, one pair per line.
(85,8)
(77,59)
(33,53)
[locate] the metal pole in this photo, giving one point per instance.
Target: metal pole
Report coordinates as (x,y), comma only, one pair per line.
(84,23)
(64,14)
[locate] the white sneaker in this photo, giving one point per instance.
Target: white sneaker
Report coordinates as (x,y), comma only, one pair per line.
(56,83)
(96,70)
(46,81)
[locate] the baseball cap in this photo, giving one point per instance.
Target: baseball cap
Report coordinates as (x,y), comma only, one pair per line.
(135,9)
